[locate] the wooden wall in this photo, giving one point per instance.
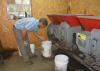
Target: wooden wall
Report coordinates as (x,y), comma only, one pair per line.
(40,8)
(86,6)
(6,35)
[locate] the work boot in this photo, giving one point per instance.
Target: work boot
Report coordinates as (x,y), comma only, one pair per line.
(33,56)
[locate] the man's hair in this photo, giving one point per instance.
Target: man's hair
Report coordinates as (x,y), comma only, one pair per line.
(43,21)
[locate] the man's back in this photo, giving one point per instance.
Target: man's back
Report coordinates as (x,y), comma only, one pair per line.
(28,23)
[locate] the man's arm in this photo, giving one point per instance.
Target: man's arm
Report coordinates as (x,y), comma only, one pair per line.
(38,36)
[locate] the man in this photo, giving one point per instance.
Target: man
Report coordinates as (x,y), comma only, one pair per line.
(23,26)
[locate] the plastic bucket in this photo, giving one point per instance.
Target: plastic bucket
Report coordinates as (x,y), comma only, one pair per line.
(19,52)
(32,47)
(46,45)
(61,62)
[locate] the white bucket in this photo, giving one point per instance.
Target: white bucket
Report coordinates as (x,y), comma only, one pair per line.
(19,52)
(61,62)
(32,47)
(46,45)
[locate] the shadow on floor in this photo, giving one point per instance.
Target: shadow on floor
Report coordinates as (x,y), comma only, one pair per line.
(15,63)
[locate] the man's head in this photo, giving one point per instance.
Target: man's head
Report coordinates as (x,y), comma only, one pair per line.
(43,23)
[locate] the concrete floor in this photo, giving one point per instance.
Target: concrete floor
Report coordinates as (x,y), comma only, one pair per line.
(15,63)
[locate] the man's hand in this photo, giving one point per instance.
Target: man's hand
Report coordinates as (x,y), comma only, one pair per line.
(42,39)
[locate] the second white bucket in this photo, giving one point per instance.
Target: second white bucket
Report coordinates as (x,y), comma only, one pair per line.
(46,45)
(61,62)
(32,47)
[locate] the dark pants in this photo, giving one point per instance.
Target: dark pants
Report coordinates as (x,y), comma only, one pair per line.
(25,51)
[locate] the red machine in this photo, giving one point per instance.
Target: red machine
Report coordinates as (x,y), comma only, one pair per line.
(64,25)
